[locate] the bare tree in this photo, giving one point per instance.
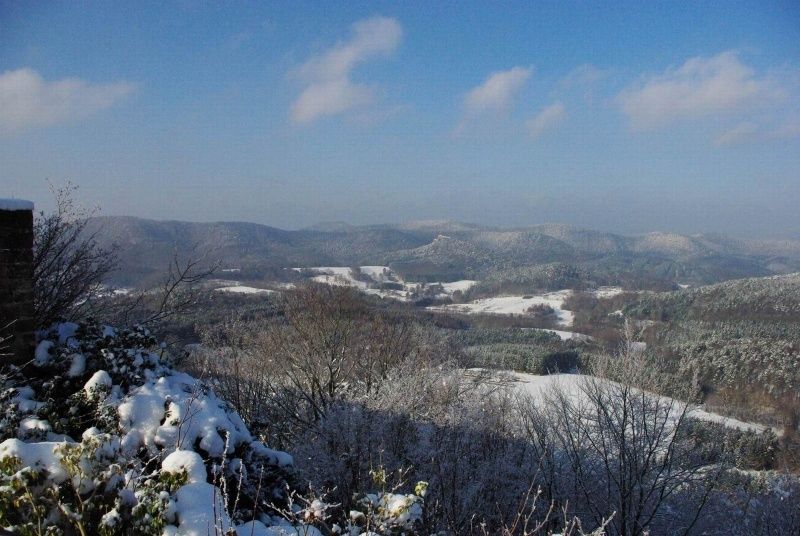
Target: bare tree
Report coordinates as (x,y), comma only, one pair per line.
(68,264)
(325,342)
(176,293)
(226,359)
(330,341)
(617,446)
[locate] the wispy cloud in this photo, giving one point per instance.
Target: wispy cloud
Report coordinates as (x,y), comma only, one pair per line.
(547,118)
(583,75)
(237,40)
(699,87)
(584,81)
(329,89)
(494,96)
(497,92)
(27,100)
(743,132)
(749,132)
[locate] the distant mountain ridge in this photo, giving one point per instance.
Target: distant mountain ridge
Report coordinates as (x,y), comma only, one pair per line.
(438,250)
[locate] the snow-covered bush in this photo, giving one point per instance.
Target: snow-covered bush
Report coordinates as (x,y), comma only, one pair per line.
(101,435)
(440,425)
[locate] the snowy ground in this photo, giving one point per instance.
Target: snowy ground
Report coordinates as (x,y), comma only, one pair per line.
(236,287)
(241,289)
(607,292)
(567,335)
(537,386)
(519,305)
(372,277)
(513,305)
(368,281)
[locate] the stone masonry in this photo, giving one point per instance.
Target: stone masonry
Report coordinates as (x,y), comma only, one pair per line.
(16,281)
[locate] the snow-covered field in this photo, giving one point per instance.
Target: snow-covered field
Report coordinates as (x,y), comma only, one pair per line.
(519,305)
(567,335)
(236,287)
(373,276)
(241,289)
(368,281)
(462,285)
(607,292)
(536,387)
(514,305)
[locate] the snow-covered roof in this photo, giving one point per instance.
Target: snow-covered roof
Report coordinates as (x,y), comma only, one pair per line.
(15,204)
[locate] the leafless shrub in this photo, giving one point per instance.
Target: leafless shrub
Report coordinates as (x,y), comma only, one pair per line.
(325,343)
(451,427)
(347,389)
(68,264)
(616,446)
(525,521)
(176,293)
(227,360)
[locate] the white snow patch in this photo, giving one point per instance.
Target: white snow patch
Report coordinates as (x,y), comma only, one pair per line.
(31,425)
(379,273)
(39,456)
(99,379)
(338,275)
(462,285)
(278,457)
(200,510)
(191,414)
(186,460)
(77,365)
(223,282)
(537,386)
(514,305)
(607,292)
(42,356)
(376,275)
(66,331)
(568,335)
(24,402)
(241,289)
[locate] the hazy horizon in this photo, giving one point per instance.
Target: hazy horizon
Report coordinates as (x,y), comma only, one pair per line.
(626,118)
(411,223)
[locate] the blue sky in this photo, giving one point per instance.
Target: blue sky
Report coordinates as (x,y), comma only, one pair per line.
(630,117)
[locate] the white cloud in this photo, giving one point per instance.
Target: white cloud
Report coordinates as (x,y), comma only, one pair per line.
(27,100)
(497,92)
(741,133)
(748,132)
(329,89)
(583,75)
(701,86)
(547,118)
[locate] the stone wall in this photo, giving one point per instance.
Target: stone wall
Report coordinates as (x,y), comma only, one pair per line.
(16,280)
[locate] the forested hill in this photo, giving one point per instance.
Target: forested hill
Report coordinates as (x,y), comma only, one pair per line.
(444,250)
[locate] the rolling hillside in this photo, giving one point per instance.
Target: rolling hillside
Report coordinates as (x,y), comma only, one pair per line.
(428,251)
